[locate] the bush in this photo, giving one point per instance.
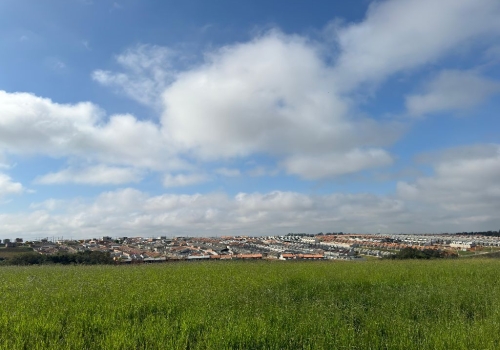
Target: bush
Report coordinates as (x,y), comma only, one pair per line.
(413,253)
(83,258)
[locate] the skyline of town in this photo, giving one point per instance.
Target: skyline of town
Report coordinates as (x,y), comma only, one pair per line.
(299,246)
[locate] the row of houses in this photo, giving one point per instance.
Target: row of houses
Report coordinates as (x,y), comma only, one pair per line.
(286,256)
(143,258)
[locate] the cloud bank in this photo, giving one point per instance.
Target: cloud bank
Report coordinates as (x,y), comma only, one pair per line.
(463,194)
(291,99)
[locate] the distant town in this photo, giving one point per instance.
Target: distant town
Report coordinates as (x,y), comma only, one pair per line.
(293,246)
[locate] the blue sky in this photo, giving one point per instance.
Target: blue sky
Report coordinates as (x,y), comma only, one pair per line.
(254,117)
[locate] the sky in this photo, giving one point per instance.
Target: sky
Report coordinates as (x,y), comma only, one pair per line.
(209,118)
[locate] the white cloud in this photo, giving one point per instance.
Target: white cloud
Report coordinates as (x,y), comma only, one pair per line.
(131,212)
(276,95)
(245,103)
(311,167)
(181,180)
(464,153)
(7,186)
(94,175)
(148,69)
(464,184)
(398,35)
(452,90)
(34,125)
(228,172)
(279,95)
(284,105)
(462,195)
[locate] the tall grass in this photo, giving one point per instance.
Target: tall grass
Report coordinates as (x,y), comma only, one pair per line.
(253,305)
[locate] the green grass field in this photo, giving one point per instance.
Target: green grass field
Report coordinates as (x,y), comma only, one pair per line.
(450,304)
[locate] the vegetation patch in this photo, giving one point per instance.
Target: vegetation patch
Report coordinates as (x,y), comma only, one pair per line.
(413,253)
(386,304)
(83,258)
(6,253)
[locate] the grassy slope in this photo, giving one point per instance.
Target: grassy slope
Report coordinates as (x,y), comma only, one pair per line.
(253,305)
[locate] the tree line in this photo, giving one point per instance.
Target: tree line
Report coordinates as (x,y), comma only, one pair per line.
(79,258)
(413,253)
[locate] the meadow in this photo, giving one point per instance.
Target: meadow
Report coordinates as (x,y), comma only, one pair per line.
(445,304)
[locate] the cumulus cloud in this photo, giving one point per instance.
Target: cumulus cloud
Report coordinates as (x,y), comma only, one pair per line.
(464,153)
(273,95)
(277,94)
(267,94)
(398,35)
(452,90)
(462,194)
(311,167)
(34,125)
(181,180)
(285,96)
(7,186)
(131,212)
(464,185)
(93,175)
(281,95)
